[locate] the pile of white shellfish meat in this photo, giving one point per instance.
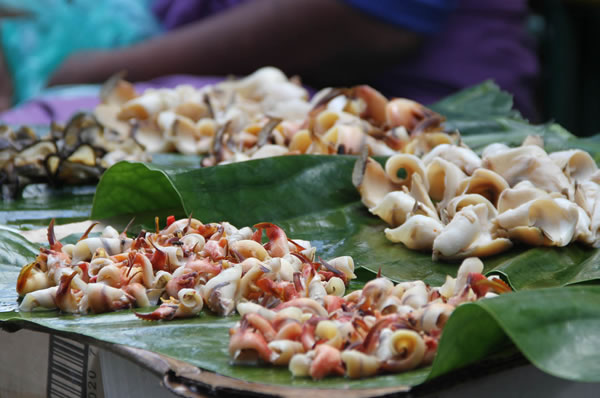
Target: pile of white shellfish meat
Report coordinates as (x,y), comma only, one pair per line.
(187,266)
(266,114)
(380,329)
(456,204)
(77,153)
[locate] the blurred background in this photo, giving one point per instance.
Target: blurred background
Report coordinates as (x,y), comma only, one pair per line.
(542,51)
(567,33)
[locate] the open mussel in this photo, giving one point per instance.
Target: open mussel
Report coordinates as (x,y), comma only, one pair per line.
(75,154)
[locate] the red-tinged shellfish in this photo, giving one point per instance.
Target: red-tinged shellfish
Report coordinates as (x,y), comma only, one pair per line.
(99,298)
(247,347)
(208,259)
(32,278)
(400,350)
(359,364)
(284,350)
(317,363)
(44,298)
(355,336)
(219,292)
(188,303)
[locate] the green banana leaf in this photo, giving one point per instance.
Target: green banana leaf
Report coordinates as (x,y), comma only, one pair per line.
(551,327)
(15,251)
(40,204)
(556,329)
(483,114)
(480,102)
(312,198)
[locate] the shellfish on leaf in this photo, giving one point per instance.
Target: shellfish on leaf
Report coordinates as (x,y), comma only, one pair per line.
(361,334)
(187,304)
(530,163)
(541,222)
(444,179)
(418,232)
(469,234)
(578,165)
(462,157)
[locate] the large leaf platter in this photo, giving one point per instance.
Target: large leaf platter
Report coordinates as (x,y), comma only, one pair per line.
(548,320)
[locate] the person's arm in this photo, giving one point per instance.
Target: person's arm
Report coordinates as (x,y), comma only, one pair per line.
(308,37)
(5,85)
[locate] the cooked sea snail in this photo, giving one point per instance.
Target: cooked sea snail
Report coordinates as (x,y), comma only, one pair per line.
(188,266)
(359,335)
(482,206)
(266,114)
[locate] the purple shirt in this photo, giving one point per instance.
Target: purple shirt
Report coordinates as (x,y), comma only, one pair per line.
(176,13)
(466,42)
(480,40)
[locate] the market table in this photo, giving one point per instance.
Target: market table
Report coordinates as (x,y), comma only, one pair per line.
(38,364)
(326,207)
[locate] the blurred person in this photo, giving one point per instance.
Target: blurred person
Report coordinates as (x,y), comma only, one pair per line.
(420,49)
(36,36)
(5,85)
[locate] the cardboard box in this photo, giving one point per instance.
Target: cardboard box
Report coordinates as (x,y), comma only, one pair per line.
(37,365)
